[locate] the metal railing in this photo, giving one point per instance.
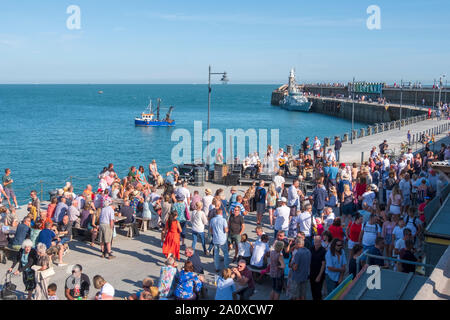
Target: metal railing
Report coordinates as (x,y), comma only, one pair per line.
(365,253)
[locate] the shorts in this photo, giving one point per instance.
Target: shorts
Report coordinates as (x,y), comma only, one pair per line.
(406,201)
(260,208)
(106,233)
(296,289)
(351,244)
(277,284)
(394,209)
(10,193)
(388,239)
(234,238)
(271,207)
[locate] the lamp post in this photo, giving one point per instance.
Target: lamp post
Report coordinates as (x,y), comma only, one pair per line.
(353,107)
(401,101)
(224,79)
(445,88)
(434,91)
(440,89)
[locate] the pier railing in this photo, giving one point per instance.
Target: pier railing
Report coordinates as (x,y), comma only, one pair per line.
(392,125)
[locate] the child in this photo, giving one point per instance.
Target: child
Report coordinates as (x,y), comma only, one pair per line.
(51,290)
(319,226)
(245,249)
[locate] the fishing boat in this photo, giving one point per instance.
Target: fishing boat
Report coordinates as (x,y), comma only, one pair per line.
(295,100)
(147,118)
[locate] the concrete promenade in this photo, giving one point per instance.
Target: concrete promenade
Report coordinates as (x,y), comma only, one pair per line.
(352,152)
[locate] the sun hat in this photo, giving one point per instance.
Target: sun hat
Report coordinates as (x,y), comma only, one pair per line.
(283,199)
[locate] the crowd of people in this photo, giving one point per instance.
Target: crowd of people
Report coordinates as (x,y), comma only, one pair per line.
(317,237)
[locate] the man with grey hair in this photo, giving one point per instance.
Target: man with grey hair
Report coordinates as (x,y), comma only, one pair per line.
(106,229)
(74,214)
(300,267)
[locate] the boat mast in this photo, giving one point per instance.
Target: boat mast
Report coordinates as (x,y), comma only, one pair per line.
(157,109)
(150,106)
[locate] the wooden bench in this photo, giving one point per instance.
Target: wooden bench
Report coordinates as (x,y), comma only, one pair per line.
(143,223)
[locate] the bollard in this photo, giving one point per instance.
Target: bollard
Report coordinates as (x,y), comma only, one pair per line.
(362,157)
(361,132)
(326,141)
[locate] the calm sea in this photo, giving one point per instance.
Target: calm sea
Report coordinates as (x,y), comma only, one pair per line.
(52,132)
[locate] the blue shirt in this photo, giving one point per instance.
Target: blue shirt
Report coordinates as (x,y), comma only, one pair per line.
(46,236)
(375,261)
(334,262)
(333,172)
(218,225)
(225,289)
(319,195)
(236,204)
(262,195)
(60,211)
(303,261)
(233,198)
(22,232)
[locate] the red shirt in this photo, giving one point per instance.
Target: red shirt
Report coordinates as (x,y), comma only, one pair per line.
(51,210)
(336,232)
(354,231)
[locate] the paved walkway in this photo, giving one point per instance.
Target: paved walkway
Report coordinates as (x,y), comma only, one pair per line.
(352,152)
(140,257)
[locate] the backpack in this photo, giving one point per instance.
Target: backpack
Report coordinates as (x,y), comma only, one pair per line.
(414,222)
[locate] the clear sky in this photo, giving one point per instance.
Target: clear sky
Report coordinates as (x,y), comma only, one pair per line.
(150,41)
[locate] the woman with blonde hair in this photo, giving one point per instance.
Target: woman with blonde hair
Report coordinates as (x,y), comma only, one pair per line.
(106,290)
(395,200)
(225,286)
(271,200)
(198,221)
(347,202)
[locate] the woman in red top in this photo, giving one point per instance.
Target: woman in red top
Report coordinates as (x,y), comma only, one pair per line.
(51,207)
(172,231)
(336,229)
(360,188)
(353,230)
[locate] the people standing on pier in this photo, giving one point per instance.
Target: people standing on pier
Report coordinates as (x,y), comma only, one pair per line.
(7,186)
(306,146)
(337,147)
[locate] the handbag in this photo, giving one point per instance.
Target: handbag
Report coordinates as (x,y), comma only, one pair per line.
(47,273)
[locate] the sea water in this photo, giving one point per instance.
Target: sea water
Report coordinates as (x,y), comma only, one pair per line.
(50,133)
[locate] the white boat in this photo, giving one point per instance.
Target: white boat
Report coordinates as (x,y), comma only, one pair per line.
(295,100)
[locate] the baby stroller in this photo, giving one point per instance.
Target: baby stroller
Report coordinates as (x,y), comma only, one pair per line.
(8,291)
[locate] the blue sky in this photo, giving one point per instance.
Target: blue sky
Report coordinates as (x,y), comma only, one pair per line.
(151,41)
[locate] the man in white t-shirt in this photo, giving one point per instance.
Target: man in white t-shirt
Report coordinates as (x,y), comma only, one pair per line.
(328,217)
(260,250)
(400,243)
(409,156)
(279,180)
(183,190)
(281,216)
(369,232)
(304,221)
(386,163)
(316,146)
